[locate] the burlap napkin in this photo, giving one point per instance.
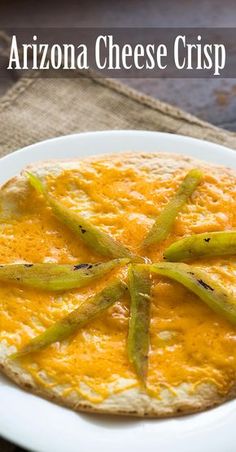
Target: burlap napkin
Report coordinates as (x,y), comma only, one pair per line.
(39,108)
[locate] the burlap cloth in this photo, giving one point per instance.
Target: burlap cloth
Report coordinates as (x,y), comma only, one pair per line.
(39,108)
(36,109)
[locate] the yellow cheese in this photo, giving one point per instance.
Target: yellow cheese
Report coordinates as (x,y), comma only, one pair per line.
(189,343)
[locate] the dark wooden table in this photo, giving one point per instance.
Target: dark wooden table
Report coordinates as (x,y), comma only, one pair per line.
(213,100)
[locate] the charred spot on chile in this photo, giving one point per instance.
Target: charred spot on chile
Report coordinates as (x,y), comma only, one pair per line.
(205,285)
(82,229)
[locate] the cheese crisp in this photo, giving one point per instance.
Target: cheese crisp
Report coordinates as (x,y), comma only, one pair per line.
(184,359)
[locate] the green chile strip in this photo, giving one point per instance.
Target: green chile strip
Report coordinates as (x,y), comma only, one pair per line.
(68,325)
(56,277)
(95,239)
(202,245)
(138,336)
(164,223)
(198,282)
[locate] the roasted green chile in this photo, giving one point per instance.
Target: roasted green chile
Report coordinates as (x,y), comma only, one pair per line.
(164,223)
(138,336)
(71,323)
(198,282)
(208,244)
(93,237)
(56,277)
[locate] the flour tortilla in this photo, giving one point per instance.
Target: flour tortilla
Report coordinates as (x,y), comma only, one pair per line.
(133,402)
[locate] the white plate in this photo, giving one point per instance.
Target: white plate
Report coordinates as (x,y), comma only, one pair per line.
(44,427)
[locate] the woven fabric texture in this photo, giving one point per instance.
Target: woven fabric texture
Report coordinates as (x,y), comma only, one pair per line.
(38,108)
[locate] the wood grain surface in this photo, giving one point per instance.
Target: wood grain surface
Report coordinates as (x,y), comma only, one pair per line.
(213,100)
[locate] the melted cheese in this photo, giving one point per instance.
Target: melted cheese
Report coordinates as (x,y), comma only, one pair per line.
(189,343)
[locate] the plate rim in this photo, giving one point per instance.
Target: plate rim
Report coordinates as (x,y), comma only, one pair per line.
(129,132)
